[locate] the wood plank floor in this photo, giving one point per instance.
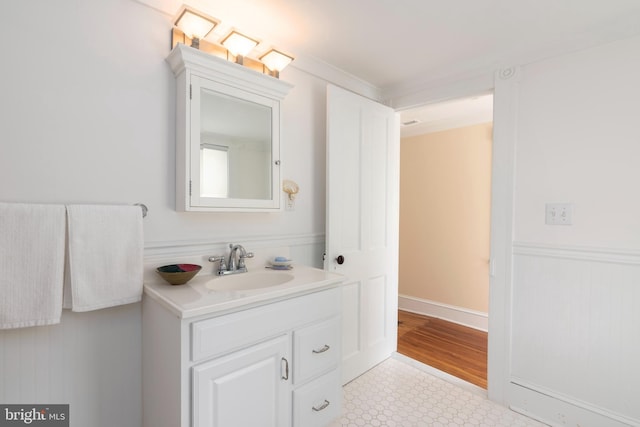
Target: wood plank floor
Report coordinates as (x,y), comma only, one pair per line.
(449,347)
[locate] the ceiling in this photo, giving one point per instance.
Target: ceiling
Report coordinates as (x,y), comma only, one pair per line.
(388,43)
(401,45)
(447,115)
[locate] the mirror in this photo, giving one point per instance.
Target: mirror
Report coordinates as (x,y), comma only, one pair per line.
(235,148)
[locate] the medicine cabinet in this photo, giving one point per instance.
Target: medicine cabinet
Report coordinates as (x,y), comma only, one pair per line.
(227,134)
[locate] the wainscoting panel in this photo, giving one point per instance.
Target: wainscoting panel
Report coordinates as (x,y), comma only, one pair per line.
(575,332)
(91,361)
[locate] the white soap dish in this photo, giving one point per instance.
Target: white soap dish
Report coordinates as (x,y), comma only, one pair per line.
(281,263)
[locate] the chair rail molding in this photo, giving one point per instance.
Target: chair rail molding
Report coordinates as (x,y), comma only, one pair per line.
(304,249)
(583,253)
(161,249)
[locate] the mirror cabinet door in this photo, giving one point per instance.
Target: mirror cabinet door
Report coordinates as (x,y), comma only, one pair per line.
(234,147)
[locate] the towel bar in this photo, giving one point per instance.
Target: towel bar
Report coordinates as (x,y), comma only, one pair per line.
(144,209)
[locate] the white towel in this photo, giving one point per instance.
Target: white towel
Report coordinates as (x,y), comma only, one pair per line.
(31,264)
(104,256)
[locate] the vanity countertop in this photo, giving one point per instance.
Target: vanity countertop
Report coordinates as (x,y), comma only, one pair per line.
(195,298)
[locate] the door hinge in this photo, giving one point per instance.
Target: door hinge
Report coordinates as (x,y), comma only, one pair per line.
(190,182)
(190,91)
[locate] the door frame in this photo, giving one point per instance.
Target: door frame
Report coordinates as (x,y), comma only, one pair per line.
(504,85)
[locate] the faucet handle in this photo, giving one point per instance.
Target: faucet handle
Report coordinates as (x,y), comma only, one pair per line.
(223,262)
(242,257)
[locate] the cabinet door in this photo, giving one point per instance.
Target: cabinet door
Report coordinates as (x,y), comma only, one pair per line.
(234,148)
(249,387)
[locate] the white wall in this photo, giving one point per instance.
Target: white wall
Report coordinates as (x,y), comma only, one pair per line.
(576,288)
(87,116)
(578,142)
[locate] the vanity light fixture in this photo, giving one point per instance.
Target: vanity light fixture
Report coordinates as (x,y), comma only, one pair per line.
(275,61)
(195,25)
(192,26)
(239,45)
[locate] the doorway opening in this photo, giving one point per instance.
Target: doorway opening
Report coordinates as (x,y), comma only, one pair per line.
(445,196)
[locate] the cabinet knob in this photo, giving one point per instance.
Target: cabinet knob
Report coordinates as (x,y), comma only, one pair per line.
(340,259)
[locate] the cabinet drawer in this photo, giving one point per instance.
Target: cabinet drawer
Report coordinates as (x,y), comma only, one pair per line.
(319,402)
(219,335)
(316,349)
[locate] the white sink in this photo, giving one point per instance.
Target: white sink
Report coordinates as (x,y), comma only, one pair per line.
(247,281)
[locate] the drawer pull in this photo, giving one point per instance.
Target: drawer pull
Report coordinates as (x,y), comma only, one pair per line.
(321,407)
(284,365)
(322,350)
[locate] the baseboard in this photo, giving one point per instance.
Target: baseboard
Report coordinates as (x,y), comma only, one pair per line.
(557,410)
(462,316)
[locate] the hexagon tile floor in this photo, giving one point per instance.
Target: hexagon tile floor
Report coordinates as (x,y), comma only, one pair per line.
(396,394)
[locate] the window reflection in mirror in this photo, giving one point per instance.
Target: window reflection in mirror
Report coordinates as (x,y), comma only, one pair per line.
(235,147)
(214,171)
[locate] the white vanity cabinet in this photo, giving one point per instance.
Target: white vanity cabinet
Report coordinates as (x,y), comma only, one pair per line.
(275,364)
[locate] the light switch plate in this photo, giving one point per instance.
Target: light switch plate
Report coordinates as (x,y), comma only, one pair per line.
(558,213)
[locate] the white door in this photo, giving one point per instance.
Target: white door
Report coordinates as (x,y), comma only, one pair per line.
(246,388)
(363,144)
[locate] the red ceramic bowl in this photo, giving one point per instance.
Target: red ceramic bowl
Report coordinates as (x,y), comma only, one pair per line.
(178,274)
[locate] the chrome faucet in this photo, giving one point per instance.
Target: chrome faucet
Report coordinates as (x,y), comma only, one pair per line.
(235,264)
